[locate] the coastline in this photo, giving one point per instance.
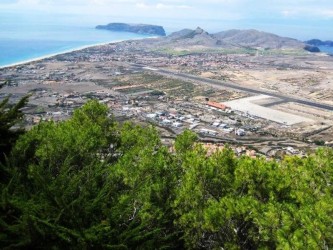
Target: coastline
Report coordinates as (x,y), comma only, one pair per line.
(68,51)
(326,49)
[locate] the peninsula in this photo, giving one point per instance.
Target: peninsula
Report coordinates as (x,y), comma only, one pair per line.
(147,29)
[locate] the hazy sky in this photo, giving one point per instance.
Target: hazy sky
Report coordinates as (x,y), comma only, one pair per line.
(302,19)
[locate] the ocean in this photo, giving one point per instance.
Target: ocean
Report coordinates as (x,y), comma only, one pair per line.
(25,37)
(326,49)
(28,39)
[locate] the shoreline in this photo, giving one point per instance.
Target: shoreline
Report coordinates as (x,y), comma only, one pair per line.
(68,51)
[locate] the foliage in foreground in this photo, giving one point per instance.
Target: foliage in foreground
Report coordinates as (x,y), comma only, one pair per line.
(91,183)
(10,115)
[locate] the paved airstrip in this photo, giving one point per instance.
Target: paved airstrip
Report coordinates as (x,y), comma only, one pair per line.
(248,105)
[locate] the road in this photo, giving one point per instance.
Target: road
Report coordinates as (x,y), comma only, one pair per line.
(224,84)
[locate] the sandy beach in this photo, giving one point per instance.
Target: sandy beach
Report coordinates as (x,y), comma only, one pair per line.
(56,54)
(68,51)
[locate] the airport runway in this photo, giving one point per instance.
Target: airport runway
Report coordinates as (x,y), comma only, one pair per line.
(224,84)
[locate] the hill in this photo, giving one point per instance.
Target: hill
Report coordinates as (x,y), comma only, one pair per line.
(134,28)
(257,39)
(231,39)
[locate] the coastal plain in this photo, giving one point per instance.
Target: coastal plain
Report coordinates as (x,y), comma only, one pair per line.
(276,101)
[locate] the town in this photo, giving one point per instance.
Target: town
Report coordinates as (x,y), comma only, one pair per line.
(151,88)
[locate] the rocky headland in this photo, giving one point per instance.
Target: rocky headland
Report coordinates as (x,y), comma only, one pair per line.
(146,29)
(317,42)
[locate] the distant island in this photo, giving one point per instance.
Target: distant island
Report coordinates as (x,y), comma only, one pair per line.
(317,42)
(147,29)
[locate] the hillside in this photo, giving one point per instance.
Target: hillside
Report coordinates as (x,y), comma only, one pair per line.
(257,39)
(231,39)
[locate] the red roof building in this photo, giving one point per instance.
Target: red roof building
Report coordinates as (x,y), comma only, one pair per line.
(217,105)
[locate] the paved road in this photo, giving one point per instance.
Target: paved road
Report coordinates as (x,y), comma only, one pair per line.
(224,84)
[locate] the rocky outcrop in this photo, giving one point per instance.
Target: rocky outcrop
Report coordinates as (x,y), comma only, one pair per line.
(145,29)
(188,37)
(317,42)
(311,48)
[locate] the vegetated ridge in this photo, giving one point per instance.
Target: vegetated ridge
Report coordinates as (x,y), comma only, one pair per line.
(134,28)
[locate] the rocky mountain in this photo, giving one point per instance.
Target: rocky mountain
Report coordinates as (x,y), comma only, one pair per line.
(146,29)
(233,39)
(317,42)
(191,37)
(257,39)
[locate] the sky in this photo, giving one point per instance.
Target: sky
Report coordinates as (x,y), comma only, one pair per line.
(301,19)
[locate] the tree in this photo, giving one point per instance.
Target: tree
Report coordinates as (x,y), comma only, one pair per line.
(59,191)
(145,175)
(90,182)
(10,115)
(185,141)
(244,203)
(204,180)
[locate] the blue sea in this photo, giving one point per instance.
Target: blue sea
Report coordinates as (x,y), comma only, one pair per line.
(27,36)
(23,39)
(326,49)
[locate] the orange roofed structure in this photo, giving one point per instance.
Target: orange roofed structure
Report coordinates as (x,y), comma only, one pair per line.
(217,105)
